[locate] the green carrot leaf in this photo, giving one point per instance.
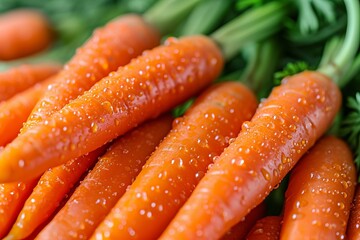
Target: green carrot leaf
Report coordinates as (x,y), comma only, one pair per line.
(351,126)
(290,69)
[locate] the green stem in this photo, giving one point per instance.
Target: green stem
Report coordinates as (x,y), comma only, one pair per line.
(254,25)
(204,18)
(165,15)
(332,47)
(341,61)
(351,73)
(319,36)
(261,67)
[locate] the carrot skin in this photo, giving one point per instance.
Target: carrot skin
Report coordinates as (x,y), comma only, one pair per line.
(267,228)
(23,32)
(178,164)
(109,47)
(242,228)
(283,128)
(320,193)
(15,111)
(353,226)
(18,79)
(51,189)
(107,182)
(143,89)
(12,198)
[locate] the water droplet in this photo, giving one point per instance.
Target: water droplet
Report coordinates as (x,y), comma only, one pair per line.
(199,175)
(108,107)
(94,127)
(21,186)
(265,174)
(131,231)
(21,163)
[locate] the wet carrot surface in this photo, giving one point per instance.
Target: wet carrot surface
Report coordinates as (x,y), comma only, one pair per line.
(12,198)
(178,164)
(109,47)
(242,228)
(51,189)
(353,229)
(267,228)
(18,79)
(283,128)
(320,193)
(15,111)
(107,182)
(151,84)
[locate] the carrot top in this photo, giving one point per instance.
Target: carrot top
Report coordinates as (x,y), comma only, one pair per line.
(338,64)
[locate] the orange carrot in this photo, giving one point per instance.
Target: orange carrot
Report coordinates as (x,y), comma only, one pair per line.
(12,198)
(52,187)
(242,228)
(15,111)
(284,127)
(107,182)
(267,228)
(23,32)
(18,79)
(353,227)
(109,47)
(148,86)
(320,192)
(178,164)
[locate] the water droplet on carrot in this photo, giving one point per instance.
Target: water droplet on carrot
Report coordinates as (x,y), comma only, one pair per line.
(21,163)
(265,174)
(94,127)
(131,232)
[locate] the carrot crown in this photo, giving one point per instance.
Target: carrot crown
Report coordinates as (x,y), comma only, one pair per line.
(338,64)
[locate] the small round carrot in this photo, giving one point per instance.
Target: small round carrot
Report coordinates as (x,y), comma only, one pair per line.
(109,47)
(283,128)
(151,84)
(178,164)
(15,111)
(23,32)
(51,189)
(320,192)
(267,228)
(18,79)
(12,198)
(107,182)
(242,228)
(353,226)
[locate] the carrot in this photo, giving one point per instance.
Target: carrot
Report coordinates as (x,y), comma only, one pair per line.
(267,228)
(148,86)
(353,226)
(52,187)
(283,128)
(241,229)
(23,32)
(15,111)
(109,47)
(320,192)
(180,161)
(12,198)
(18,79)
(107,182)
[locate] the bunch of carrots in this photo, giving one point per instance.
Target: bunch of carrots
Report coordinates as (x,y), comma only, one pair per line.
(194,119)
